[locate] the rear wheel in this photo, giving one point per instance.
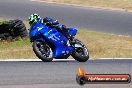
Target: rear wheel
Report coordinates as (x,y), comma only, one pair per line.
(81,53)
(43,51)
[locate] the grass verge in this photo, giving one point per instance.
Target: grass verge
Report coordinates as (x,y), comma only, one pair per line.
(100,45)
(118,4)
(16,49)
(106,45)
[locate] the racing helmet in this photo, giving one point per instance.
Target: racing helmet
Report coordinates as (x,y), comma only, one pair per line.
(33,18)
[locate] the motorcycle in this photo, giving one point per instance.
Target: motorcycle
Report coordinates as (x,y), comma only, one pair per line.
(49,43)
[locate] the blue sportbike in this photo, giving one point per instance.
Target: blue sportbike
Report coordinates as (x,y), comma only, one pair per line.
(49,43)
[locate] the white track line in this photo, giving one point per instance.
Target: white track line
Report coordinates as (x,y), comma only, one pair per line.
(60,59)
(115,58)
(35,60)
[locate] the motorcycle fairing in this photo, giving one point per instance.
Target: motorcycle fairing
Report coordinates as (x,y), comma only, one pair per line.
(61,43)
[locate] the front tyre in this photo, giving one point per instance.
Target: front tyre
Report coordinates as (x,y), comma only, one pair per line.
(42,51)
(81,53)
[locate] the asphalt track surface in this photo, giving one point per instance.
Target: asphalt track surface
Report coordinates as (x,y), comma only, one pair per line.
(101,20)
(59,74)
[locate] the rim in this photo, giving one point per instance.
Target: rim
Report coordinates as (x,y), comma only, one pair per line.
(82,50)
(44,49)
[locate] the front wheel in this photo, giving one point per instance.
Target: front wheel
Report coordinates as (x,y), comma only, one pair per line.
(42,51)
(80,53)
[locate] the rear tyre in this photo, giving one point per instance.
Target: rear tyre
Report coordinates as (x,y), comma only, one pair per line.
(42,51)
(81,53)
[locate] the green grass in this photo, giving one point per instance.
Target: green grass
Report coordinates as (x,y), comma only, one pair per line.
(14,44)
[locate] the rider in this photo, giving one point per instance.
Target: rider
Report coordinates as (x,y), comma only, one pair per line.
(50,23)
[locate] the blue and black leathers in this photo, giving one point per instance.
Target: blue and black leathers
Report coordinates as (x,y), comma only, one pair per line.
(54,23)
(50,22)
